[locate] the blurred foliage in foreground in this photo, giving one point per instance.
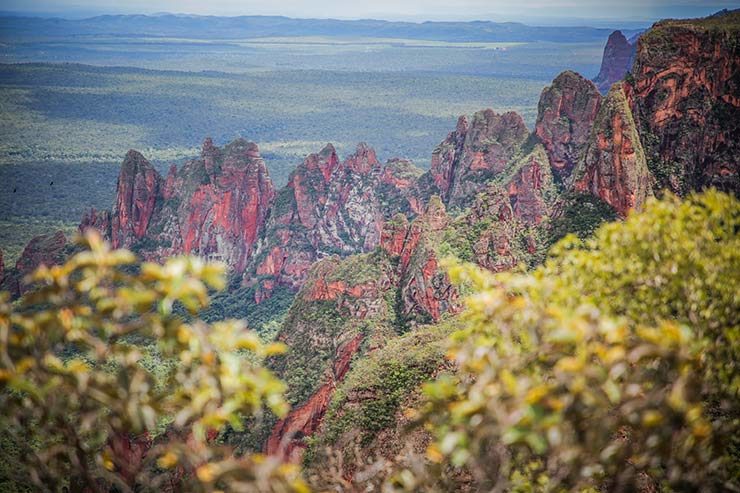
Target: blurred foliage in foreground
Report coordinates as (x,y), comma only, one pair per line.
(81,405)
(613,367)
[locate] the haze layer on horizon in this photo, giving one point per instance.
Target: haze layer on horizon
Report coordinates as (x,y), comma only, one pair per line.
(563,12)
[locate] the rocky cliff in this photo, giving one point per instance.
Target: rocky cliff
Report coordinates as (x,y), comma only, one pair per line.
(475,152)
(329,207)
(566,113)
(619,55)
(614,168)
(139,189)
(215,206)
(685,94)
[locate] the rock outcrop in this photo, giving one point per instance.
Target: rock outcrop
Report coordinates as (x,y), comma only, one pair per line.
(50,249)
(45,250)
(566,113)
(474,153)
(425,292)
(614,168)
(685,94)
(329,207)
(228,194)
(99,220)
(215,206)
(619,55)
(136,197)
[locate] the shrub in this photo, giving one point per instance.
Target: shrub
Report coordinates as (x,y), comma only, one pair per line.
(611,367)
(83,402)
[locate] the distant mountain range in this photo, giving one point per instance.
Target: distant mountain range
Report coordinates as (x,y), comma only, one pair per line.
(15,28)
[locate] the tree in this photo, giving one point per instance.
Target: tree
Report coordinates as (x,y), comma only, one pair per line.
(103,386)
(611,367)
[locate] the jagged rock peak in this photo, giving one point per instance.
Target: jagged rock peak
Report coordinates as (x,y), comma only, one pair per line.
(616,62)
(614,167)
(566,112)
(138,188)
(478,150)
(242,147)
(363,160)
(462,125)
(325,161)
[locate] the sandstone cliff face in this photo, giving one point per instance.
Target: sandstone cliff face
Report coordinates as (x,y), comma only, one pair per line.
(215,206)
(471,155)
(228,194)
(329,207)
(619,54)
(137,195)
(425,292)
(685,95)
(614,166)
(566,113)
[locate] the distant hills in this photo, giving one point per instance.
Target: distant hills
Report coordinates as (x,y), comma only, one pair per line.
(212,27)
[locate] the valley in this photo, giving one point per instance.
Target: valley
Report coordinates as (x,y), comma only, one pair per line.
(461,281)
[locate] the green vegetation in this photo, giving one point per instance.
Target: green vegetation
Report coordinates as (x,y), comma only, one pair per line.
(82,400)
(370,397)
(239,303)
(582,215)
(612,366)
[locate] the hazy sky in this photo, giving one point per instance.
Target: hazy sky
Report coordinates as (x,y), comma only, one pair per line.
(522,10)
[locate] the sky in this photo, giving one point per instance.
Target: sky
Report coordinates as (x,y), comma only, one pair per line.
(532,11)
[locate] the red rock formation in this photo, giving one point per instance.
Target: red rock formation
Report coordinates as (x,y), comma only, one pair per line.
(614,167)
(224,216)
(169,185)
(425,290)
(566,113)
(396,189)
(393,237)
(616,62)
(685,95)
(329,207)
(529,189)
(471,155)
(138,191)
(215,206)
